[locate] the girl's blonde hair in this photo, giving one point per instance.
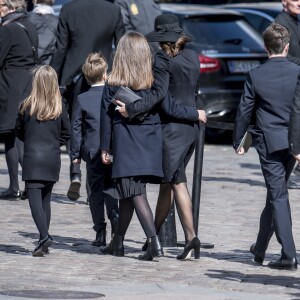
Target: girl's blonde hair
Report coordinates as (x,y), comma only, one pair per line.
(132,65)
(173,49)
(44,102)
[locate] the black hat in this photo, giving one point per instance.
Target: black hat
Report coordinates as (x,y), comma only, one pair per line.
(166,29)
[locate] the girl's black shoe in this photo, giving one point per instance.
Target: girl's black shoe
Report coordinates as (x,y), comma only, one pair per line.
(194,244)
(154,249)
(42,247)
(115,247)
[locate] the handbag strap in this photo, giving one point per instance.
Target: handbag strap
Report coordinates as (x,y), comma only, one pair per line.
(34,53)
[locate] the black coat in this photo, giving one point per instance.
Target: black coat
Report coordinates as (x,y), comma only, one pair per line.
(46,26)
(16,61)
(137,145)
(268,94)
(291,23)
(85,26)
(42,141)
(85,136)
(178,135)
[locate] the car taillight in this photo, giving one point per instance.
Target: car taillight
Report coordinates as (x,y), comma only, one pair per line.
(209,64)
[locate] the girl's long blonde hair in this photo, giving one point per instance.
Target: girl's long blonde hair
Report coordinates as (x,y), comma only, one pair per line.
(132,65)
(44,102)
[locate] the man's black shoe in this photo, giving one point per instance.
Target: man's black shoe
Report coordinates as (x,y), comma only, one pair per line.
(284,264)
(258,256)
(9,195)
(100,239)
(74,189)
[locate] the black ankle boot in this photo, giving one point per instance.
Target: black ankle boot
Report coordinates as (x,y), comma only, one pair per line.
(115,247)
(194,244)
(154,249)
(100,238)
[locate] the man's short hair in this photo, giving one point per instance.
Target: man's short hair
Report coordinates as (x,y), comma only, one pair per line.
(94,68)
(276,37)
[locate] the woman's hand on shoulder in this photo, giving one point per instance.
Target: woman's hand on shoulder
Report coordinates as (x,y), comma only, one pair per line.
(202,116)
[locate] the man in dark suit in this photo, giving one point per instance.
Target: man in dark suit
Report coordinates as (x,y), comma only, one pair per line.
(84,26)
(268,93)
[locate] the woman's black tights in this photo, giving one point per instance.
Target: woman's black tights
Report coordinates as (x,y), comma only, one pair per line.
(39,202)
(141,206)
(13,155)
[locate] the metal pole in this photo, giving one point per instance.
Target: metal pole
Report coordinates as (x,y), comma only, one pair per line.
(197,179)
(167,233)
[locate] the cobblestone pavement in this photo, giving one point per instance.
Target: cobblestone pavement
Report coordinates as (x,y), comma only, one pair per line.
(232,198)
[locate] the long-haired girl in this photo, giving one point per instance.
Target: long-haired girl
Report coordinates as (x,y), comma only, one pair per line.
(43,126)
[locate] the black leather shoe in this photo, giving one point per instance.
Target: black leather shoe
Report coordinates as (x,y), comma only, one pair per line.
(115,247)
(284,264)
(9,195)
(42,247)
(258,256)
(154,249)
(24,195)
(100,239)
(74,189)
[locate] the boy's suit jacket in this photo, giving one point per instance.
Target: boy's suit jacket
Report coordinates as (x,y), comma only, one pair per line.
(85,126)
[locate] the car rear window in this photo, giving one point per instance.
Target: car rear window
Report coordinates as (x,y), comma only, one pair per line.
(224,31)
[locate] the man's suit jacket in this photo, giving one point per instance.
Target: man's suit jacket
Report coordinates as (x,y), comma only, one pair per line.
(85,125)
(268,93)
(291,23)
(85,26)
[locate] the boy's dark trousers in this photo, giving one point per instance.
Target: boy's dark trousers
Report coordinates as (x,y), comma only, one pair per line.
(96,179)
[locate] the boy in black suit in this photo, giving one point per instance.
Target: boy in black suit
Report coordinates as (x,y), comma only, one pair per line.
(85,144)
(269,92)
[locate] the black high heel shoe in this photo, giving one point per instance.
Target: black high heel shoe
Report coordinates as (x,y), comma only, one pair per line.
(194,244)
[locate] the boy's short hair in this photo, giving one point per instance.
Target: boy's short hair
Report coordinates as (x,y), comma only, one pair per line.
(94,68)
(276,37)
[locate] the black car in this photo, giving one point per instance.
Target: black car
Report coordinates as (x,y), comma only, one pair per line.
(227,47)
(259,15)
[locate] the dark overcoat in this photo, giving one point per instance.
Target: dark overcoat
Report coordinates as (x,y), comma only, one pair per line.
(179,136)
(42,141)
(16,62)
(84,27)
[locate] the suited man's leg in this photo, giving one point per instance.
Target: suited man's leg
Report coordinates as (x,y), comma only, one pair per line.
(95,177)
(266,228)
(274,168)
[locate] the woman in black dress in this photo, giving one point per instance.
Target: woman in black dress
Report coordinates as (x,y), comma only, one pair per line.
(43,125)
(179,137)
(136,144)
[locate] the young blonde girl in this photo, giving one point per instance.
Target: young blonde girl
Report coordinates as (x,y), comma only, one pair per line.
(43,126)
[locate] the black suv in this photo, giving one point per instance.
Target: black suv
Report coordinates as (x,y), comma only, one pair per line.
(227,47)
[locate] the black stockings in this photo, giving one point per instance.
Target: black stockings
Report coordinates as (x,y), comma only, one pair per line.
(13,155)
(140,204)
(183,205)
(39,202)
